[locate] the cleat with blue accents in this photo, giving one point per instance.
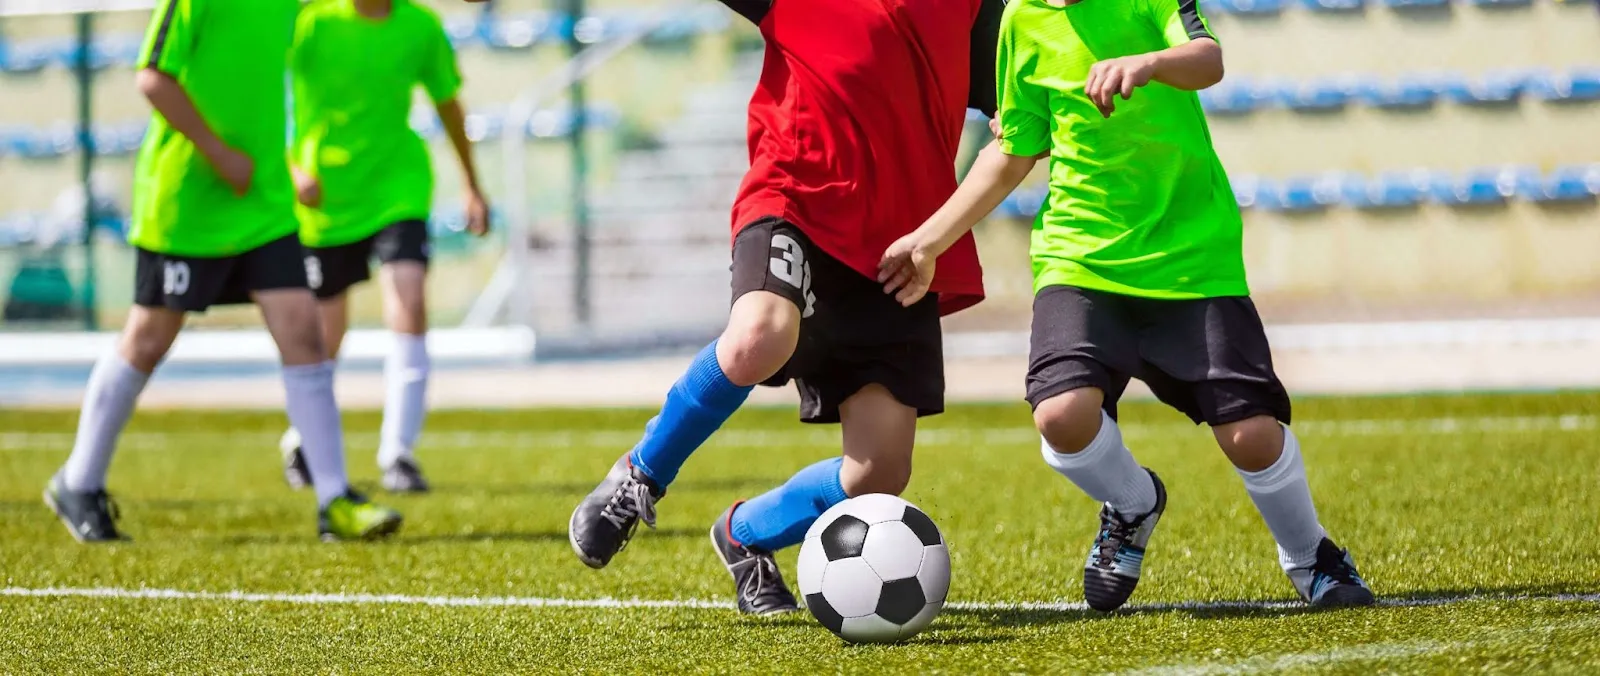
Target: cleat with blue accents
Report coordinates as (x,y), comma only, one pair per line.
(1117,556)
(1332,582)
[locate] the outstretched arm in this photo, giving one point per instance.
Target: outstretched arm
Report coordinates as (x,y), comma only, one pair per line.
(907,267)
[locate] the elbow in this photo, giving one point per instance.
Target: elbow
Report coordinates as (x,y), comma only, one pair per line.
(1213,71)
(1213,75)
(151,82)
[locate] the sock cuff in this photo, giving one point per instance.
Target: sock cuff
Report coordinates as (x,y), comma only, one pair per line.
(1288,468)
(409,344)
(709,384)
(307,371)
(833,487)
(1107,440)
(123,369)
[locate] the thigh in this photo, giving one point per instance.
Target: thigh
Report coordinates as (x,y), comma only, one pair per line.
(331,271)
(185,283)
(1080,338)
(861,336)
(1210,359)
(773,255)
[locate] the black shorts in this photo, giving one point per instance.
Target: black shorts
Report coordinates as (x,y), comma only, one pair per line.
(1207,357)
(191,284)
(852,334)
(333,270)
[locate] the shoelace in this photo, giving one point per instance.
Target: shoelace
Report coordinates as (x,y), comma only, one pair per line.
(631,503)
(1114,532)
(766,573)
(106,507)
(1336,569)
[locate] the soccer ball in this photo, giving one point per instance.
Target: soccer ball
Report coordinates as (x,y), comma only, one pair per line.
(874,569)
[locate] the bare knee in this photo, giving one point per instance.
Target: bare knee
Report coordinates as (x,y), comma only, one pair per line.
(1069,421)
(405,298)
(1253,444)
(148,337)
(762,332)
(883,474)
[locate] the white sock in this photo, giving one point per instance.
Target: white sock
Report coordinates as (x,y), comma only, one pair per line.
(1283,497)
(114,387)
(1107,471)
(315,414)
(405,375)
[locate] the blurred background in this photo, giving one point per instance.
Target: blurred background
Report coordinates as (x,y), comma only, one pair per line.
(1419,179)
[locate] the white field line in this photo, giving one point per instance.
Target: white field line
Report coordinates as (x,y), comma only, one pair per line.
(692,604)
(1018,433)
(1371,652)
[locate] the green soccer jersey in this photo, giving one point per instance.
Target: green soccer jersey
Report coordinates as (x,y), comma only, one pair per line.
(230,56)
(353,82)
(1139,203)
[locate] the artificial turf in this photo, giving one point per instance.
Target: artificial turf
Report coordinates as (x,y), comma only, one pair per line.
(1473,516)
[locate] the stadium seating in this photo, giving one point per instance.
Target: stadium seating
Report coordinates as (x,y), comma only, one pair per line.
(1239,95)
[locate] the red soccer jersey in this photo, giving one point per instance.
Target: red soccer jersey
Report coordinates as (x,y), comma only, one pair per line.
(856,121)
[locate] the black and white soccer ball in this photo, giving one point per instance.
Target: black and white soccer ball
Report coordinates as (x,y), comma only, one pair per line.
(874,569)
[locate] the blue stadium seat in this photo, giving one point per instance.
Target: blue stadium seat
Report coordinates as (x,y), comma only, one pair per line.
(1497,88)
(1502,3)
(1478,187)
(1302,193)
(483,127)
(1579,183)
(1233,96)
(1248,190)
(21,59)
(465,30)
(1334,5)
(1251,7)
(1416,4)
(1575,85)
(1314,97)
(1408,92)
(119,139)
(1390,190)
(519,32)
(35,144)
(1024,202)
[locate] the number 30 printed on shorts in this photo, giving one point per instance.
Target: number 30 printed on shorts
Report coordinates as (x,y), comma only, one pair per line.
(790,265)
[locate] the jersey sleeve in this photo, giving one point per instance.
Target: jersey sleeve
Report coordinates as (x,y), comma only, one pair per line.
(985,43)
(1179,21)
(1024,108)
(441,76)
(169,41)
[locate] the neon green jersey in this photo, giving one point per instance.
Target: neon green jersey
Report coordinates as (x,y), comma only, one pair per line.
(353,82)
(1139,203)
(230,56)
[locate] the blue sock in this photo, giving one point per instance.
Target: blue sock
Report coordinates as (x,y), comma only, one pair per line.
(696,406)
(780,517)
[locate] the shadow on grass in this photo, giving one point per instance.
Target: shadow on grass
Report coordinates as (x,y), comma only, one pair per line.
(577,489)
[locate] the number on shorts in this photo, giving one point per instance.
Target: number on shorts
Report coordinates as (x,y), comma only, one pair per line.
(313,273)
(175,278)
(790,265)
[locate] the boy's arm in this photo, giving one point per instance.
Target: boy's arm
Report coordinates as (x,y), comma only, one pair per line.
(907,267)
(454,120)
(168,47)
(1193,66)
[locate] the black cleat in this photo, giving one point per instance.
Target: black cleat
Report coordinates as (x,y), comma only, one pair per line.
(1117,556)
(295,472)
(90,517)
(604,522)
(404,476)
(757,582)
(1332,582)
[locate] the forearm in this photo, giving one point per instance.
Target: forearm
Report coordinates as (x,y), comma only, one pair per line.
(1192,66)
(173,103)
(993,177)
(454,120)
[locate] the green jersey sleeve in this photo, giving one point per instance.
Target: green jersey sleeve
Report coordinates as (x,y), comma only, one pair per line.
(1179,21)
(440,74)
(169,41)
(1023,108)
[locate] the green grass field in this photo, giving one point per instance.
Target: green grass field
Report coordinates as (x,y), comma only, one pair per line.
(1473,517)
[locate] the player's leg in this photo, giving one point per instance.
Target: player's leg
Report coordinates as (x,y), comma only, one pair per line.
(277,283)
(881,366)
(330,272)
(1235,390)
(1081,353)
(402,249)
(762,333)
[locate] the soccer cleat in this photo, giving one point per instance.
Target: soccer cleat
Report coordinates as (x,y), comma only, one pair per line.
(295,472)
(1332,582)
(756,580)
(90,517)
(1117,556)
(604,522)
(404,476)
(352,517)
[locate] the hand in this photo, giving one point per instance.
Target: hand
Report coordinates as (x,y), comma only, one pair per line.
(994,128)
(1109,78)
(307,188)
(477,214)
(907,269)
(236,168)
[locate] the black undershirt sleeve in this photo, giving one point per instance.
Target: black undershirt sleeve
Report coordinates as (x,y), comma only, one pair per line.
(754,10)
(985,45)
